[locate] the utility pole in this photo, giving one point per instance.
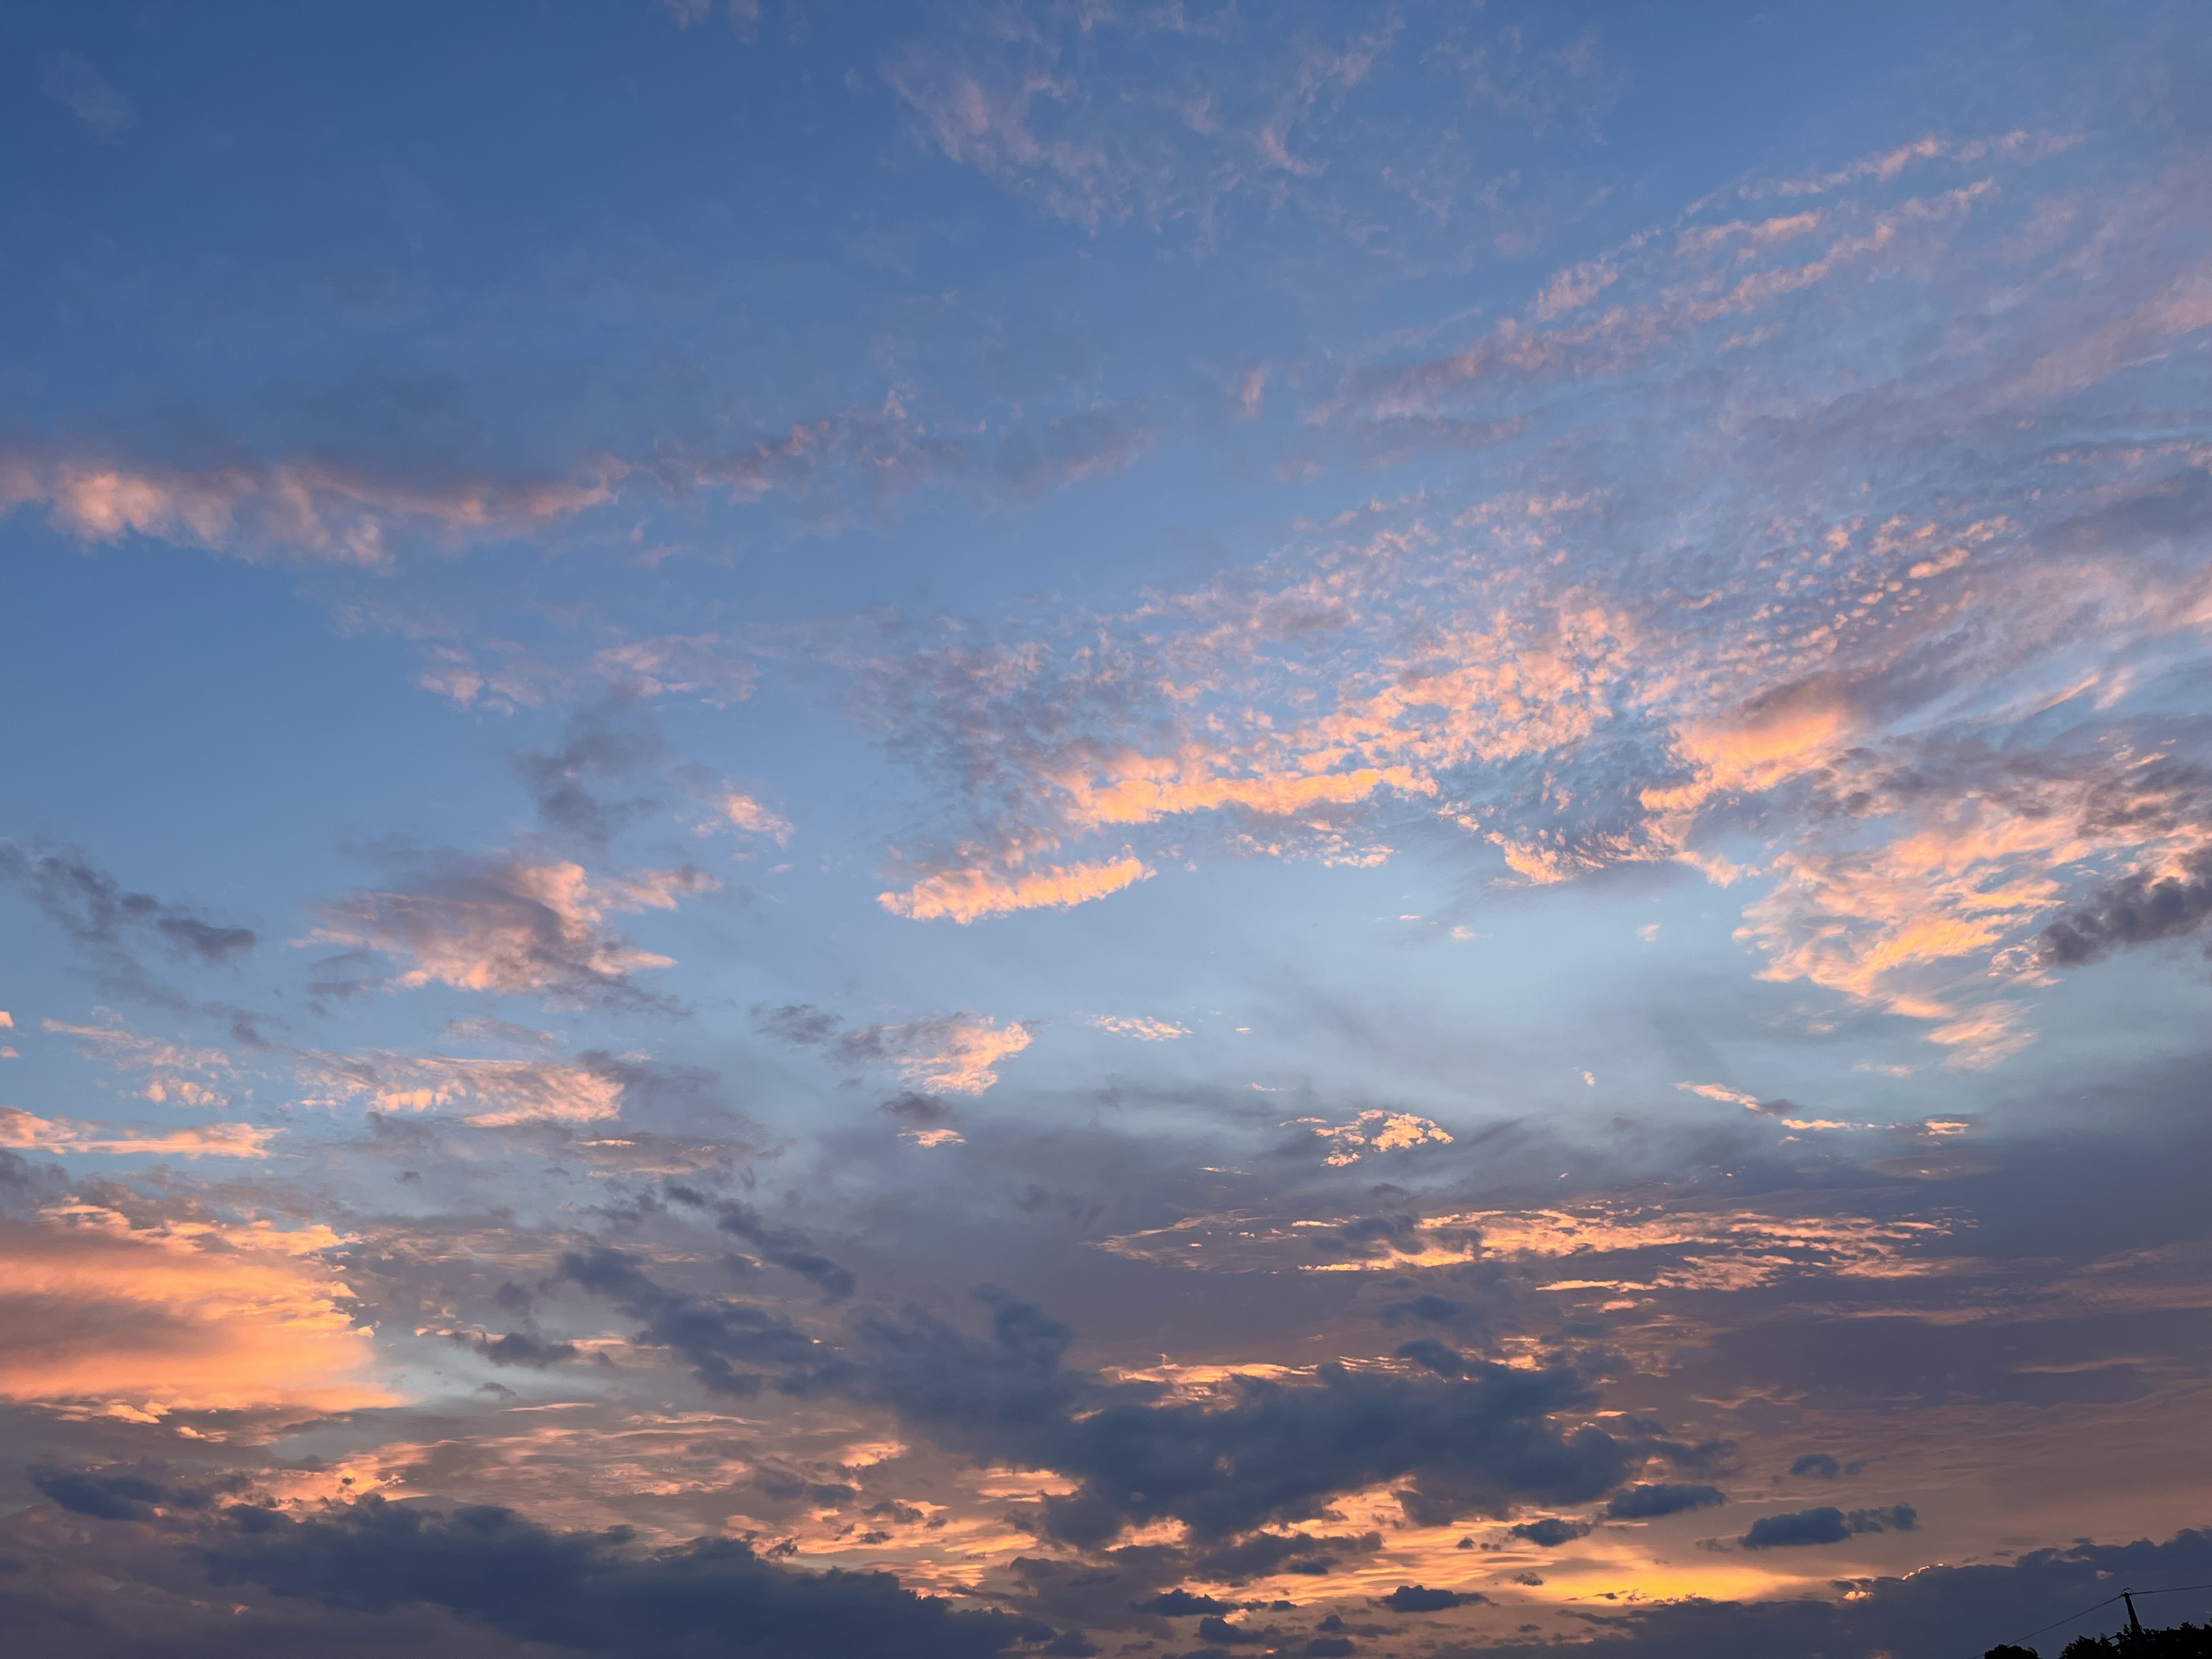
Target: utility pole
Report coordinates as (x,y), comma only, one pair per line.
(2135,1625)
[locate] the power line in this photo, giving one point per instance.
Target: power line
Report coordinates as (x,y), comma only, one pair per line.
(2171,1589)
(2067,1620)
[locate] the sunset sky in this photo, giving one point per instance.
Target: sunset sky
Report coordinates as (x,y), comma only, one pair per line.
(1068,829)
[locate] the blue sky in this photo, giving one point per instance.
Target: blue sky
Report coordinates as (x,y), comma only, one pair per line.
(1080,802)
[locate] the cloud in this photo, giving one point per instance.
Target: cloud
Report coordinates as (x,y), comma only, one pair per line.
(596,1592)
(502,676)
(966,896)
(177,1074)
(1826,1525)
(1613,1244)
(1934,1609)
(1841,690)
(733,1347)
(1702,283)
(106,920)
(1648,1503)
(1883,166)
(783,1246)
(504,1092)
(955,1054)
(1418,1598)
(1718,1091)
(305,509)
(519,1348)
(1224,1462)
(1070,450)
(1258,1451)
(498,922)
(2136,910)
(142,1321)
(83,91)
(597,749)
(1817,1463)
(1143,1030)
(1373,1131)
(1551,1531)
(118,1494)
(745,812)
(1169,117)
(65,1136)
(1179,1603)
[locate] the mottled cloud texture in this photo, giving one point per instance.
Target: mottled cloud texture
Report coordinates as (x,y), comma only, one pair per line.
(1042,829)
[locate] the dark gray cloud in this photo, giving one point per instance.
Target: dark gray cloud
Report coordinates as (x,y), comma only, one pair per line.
(1551,1531)
(1474,1440)
(781,1246)
(109,922)
(521,1348)
(716,1336)
(1648,1502)
(118,1494)
(1179,1603)
(1428,1307)
(1419,1598)
(1826,1525)
(596,1592)
(1272,1452)
(919,1108)
(2137,909)
(1817,1463)
(600,747)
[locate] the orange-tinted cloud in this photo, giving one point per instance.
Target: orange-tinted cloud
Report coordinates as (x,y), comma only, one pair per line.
(140,1321)
(966,895)
(953,1054)
(1779,738)
(304,508)
(1144,1030)
(502,1091)
(1373,1132)
(25,1132)
(502,924)
(176,1073)
(743,811)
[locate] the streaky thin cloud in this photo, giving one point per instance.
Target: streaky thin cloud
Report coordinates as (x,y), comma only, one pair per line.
(499,923)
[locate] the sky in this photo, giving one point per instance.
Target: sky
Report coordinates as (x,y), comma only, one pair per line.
(1073,828)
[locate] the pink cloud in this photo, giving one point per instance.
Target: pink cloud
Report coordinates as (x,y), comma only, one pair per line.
(23,1132)
(141,1321)
(313,510)
(502,924)
(967,896)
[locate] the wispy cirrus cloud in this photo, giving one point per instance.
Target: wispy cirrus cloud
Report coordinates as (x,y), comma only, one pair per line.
(955,1054)
(499,923)
(183,1073)
(72,81)
(305,508)
(492,1093)
(502,677)
(109,922)
(72,1137)
(969,895)
(1052,112)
